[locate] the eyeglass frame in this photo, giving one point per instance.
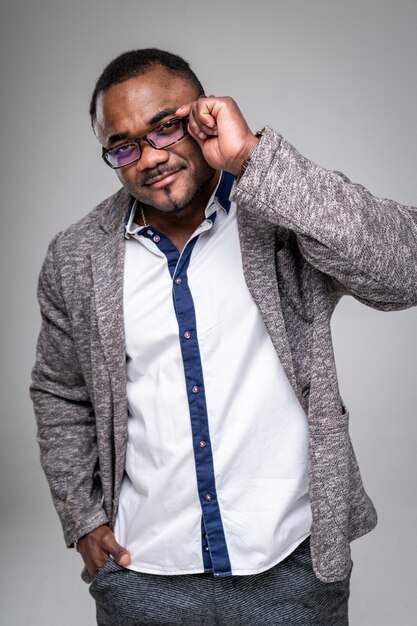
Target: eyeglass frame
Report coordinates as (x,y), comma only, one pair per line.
(139,140)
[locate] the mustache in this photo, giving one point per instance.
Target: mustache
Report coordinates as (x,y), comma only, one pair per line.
(160,171)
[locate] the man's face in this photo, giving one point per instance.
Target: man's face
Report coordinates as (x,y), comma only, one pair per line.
(168,179)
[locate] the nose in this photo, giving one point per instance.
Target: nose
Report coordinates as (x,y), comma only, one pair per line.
(151,157)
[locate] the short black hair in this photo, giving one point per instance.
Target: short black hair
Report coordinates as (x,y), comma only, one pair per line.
(136,62)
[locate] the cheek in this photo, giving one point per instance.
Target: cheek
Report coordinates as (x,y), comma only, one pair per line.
(126,176)
(120,176)
(197,162)
(196,153)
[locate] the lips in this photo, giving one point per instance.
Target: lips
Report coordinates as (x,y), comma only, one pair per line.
(162,180)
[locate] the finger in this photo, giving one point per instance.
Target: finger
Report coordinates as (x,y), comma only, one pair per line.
(199,111)
(96,546)
(195,132)
(202,112)
(114,549)
(184,110)
(200,119)
(94,557)
(199,131)
(95,561)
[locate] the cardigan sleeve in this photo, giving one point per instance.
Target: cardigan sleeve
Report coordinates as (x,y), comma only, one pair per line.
(366,245)
(65,415)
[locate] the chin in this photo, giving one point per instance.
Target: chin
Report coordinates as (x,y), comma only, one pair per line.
(170,202)
(171,208)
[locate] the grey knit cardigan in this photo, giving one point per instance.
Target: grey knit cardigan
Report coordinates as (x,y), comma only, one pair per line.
(307,236)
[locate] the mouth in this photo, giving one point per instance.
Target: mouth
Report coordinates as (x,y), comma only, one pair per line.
(163,179)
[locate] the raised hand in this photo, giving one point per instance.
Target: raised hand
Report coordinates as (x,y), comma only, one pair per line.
(220,129)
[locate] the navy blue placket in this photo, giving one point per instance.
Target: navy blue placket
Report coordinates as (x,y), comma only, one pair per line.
(213,540)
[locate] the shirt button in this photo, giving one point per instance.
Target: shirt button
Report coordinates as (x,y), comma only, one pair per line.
(157,239)
(195,389)
(202,443)
(208,497)
(187,334)
(178,281)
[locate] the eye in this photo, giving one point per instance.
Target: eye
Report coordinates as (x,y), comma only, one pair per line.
(123,151)
(169,127)
(123,155)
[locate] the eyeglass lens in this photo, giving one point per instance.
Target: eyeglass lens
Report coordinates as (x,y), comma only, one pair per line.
(161,137)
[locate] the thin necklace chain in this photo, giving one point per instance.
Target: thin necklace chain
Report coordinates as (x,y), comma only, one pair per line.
(143,216)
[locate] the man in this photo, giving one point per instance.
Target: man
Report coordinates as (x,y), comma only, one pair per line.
(189,417)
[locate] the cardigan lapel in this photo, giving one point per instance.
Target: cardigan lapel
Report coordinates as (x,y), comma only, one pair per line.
(107,264)
(258,246)
(107,269)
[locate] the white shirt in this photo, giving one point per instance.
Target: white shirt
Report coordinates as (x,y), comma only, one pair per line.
(217,464)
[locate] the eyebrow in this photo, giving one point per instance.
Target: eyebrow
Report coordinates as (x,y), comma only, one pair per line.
(152,122)
(117,137)
(160,116)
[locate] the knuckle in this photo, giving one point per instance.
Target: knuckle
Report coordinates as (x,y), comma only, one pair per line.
(108,542)
(102,540)
(118,551)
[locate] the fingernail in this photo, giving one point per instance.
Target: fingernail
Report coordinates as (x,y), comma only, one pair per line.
(124,560)
(202,135)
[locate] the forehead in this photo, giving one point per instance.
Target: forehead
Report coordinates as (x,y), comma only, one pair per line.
(129,107)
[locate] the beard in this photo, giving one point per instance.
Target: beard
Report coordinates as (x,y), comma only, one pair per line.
(172,205)
(195,175)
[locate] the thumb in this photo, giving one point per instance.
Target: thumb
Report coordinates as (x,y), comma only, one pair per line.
(120,554)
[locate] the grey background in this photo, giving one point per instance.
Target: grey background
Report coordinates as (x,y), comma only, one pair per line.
(338,79)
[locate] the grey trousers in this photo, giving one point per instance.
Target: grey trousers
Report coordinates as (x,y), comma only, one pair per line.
(288,594)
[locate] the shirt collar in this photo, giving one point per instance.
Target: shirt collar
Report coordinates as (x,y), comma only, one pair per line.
(222,192)
(219,199)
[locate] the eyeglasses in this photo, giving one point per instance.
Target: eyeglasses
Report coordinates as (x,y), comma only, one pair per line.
(163,136)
